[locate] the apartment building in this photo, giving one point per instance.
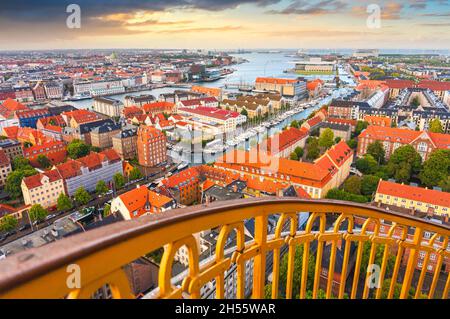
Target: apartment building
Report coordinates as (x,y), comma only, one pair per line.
(425,200)
(108,106)
(101,136)
(5,167)
(285,142)
(151,146)
(286,87)
(87,171)
(12,148)
(392,138)
(184,186)
(43,189)
(226,120)
(29,118)
(55,151)
(140,202)
(125,143)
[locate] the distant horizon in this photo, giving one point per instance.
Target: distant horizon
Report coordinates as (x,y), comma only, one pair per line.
(225,24)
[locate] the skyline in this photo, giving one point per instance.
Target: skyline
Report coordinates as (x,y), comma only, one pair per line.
(231,24)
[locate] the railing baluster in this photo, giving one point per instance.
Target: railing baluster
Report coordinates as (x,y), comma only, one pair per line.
(344,269)
(437,270)
(373,250)
(398,261)
(259,264)
(290,271)
(331,270)
(304,278)
(412,262)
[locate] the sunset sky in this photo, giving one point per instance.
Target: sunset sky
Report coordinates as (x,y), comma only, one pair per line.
(227,24)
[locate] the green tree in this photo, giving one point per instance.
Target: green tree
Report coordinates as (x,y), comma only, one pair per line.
(299,151)
(337,140)
(119,180)
(135,174)
(81,196)
(293,156)
(101,187)
(336,193)
(77,149)
(397,290)
(360,126)
(43,161)
(64,203)
(404,162)
(367,164)
(244,112)
(295,124)
(8,223)
(326,139)
(436,168)
(21,163)
(353,144)
(378,259)
(38,213)
(14,181)
(415,103)
(353,185)
(376,149)
(436,126)
(313,149)
(445,184)
(369,184)
(106,210)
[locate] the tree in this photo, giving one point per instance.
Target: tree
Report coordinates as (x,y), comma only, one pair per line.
(101,187)
(8,223)
(119,180)
(367,164)
(353,144)
(135,174)
(353,185)
(415,103)
(337,140)
(21,163)
(299,151)
(436,168)
(106,210)
(397,290)
(295,124)
(43,161)
(360,126)
(313,149)
(336,193)
(404,162)
(376,149)
(326,139)
(378,259)
(244,112)
(81,196)
(77,149)
(293,156)
(38,213)
(445,184)
(436,126)
(64,203)
(14,181)
(369,184)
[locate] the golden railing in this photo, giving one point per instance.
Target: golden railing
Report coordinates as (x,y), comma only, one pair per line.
(101,254)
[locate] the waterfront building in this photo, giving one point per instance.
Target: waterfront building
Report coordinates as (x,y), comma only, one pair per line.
(140,100)
(53,90)
(285,87)
(227,120)
(108,106)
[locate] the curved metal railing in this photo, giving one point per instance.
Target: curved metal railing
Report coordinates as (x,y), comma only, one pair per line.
(102,253)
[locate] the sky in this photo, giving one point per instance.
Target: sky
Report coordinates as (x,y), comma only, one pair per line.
(226,24)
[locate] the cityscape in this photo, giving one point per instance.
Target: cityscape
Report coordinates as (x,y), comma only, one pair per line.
(142,158)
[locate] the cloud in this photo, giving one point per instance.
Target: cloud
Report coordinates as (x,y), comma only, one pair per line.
(390,11)
(304,7)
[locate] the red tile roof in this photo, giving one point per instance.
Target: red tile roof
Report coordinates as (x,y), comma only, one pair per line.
(339,153)
(188,175)
(136,199)
(81,116)
(13,105)
(36,180)
(419,194)
(158,107)
(434,85)
(283,140)
(400,84)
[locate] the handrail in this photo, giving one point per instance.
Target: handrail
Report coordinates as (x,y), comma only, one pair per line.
(23,274)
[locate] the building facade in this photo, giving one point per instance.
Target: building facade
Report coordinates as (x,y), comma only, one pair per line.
(151,146)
